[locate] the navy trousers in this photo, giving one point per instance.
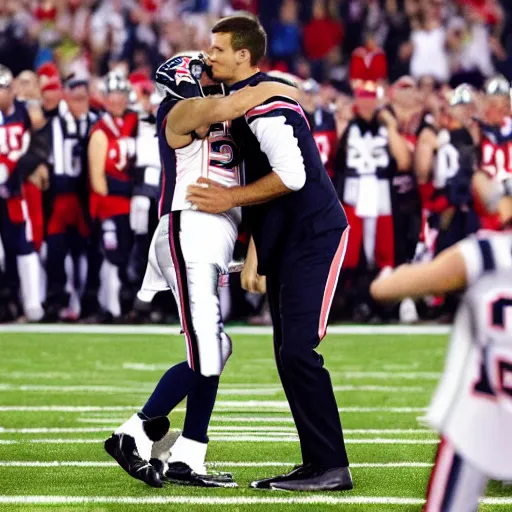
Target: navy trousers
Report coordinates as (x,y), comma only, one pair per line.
(300,290)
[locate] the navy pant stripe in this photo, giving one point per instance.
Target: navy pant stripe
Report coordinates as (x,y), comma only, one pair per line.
(181,277)
(452,482)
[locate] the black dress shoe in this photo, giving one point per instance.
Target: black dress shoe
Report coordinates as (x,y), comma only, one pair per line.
(299,471)
(321,479)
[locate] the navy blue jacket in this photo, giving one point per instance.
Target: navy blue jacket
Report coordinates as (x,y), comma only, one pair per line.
(290,222)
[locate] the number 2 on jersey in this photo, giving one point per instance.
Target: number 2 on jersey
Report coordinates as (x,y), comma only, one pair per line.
(498,310)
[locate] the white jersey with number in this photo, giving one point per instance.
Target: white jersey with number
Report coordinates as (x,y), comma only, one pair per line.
(472,406)
(216,157)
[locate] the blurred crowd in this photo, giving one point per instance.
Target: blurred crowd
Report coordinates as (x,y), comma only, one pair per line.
(408,101)
(451,41)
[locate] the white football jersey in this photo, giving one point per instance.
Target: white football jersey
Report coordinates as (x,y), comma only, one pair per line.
(472,406)
(216,157)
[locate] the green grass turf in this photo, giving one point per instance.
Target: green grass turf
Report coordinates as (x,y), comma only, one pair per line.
(59,360)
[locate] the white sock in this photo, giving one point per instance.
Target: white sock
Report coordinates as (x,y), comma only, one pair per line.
(190,452)
(28,270)
(110,286)
(73,308)
(133,427)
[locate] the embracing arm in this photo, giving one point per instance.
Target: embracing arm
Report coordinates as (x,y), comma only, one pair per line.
(265,189)
(288,174)
(189,115)
(278,142)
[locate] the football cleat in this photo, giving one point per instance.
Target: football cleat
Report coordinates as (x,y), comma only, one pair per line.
(130,445)
(123,449)
(181,473)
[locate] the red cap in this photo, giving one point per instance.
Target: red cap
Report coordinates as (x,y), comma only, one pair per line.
(366,90)
(141,81)
(49,77)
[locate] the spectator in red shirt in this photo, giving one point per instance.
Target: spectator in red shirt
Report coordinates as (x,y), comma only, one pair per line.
(321,35)
(368,63)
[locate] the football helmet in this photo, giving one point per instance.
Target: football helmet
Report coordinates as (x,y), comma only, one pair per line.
(180,76)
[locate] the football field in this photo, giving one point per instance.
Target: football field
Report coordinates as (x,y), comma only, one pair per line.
(63,392)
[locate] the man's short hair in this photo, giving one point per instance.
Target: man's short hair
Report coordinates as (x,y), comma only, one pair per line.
(246,34)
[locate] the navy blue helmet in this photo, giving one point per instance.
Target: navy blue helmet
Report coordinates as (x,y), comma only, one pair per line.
(180,76)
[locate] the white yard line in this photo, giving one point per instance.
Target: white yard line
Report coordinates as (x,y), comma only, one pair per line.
(65,408)
(388,375)
(234,428)
(100,421)
(234,439)
(223,391)
(135,330)
(341,374)
(217,500)
(221,406)
(212,500)
(215,419)
(223,464)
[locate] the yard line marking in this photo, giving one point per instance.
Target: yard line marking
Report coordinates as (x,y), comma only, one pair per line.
(135,330)
(260,430)
(230,464)
(373,431)
(388,375)
(223,391)
(75,389)
(346,374)
(209,500)
(217,500)
(38,375)
(83,430)
(235,438)
(249,419)
(65,408)
(236,419)
(221,406)
(108,421)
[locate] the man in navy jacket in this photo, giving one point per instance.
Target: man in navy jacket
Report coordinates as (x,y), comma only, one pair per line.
(299,236)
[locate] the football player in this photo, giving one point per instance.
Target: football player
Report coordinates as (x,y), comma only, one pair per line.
(496,143)
(112,156)
(188,253)
(67,227)
(472,407)
(321,122)
(15,227)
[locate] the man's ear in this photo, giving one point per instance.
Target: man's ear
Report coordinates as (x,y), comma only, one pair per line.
(243,56)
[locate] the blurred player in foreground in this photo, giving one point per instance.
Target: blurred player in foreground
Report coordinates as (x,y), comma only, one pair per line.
(472,407)
(188,253)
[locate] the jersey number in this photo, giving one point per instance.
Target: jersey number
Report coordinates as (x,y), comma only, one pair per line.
(72,159)
(224,158)
(447,165)
(498,320)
